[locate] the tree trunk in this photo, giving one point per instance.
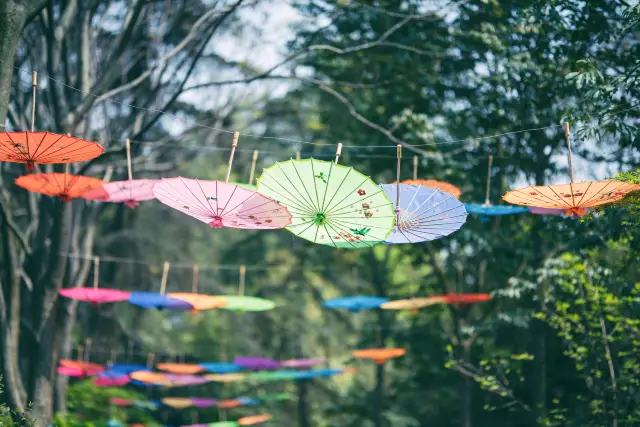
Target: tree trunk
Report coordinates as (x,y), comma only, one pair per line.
(378,400)
(303,413)
(14,14)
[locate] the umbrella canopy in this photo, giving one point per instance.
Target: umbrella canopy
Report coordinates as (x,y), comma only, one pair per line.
(274,397)
(149,377)
(412,304)
(185,380)
(435,184)
(254,419)
(424,214)
(229,403)
(45,148)
(462,299)
(126,369)
(158,301)
(199,301)
(379,355)
(70,372)
(226,378)
(302,363)
(257,363)
(111,381)
(355,304)
(318,373)
(221,367)
(222,205)
(118,401)
(491,210)
(130,192)
(203,402)
(572,198)
(223,424)
(177,402)
(279,375)
(95,296)
(86,368)
(558,212)
(243,303)
(248,401)
(331,204)
(180,368)
(62,185)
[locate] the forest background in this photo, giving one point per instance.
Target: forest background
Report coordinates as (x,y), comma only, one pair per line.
(558,344)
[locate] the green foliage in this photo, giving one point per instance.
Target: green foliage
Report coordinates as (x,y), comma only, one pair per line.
(10,417)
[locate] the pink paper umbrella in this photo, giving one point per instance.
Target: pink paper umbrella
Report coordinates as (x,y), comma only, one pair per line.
(203,402)
(130,192)
(222,205)
(70,372)
(302,363)
(108,381)
(95,295)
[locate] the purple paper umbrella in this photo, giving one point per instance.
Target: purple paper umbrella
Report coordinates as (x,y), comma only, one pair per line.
(184,380)
(257,363)
(203,402)
(303,363)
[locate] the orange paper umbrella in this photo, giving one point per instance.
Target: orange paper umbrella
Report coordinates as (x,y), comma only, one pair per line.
(86,368)
(432,183)
(413,304)
(461,299)
(380,355)
(180,368)
(45,148)
(149,377)
(177,402)
(198,301)
(573,197)
(253,420)
(62,185)
(226,378)
(229,403)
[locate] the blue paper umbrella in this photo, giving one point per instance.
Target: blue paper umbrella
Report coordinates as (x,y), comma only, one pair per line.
(248,401)
(221,367)
(355,304)
(158,301)
(318,373)
(125,369)
(423,213)
(491,210)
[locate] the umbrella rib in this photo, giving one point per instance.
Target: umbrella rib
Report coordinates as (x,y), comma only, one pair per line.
(10,151)
(200,211)
(335,193)
(315,185)
(527,197)
(305,207)
(329,209)
(195,198)
(427,199)
(580,203)
(324,198)
(314,209)
(291,201)
(17,145)
(233,193)
(415,194)
(255,207)
(251,194)
(53,154)
(560,197)
(421,215)
(338,234)
(35,153)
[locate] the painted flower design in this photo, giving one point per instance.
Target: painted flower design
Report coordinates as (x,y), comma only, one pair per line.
(361,192)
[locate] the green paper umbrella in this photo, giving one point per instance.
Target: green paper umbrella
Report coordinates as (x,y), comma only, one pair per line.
(223,424)
(281,375)
(331,204)
(242,303)
(274,397)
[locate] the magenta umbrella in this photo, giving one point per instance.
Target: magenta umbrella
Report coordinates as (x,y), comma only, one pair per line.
(302,363)
(109,381)
(185,380)
(95,295)
(257,363)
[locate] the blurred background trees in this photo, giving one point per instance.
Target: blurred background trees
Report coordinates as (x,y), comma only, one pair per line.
(556,346)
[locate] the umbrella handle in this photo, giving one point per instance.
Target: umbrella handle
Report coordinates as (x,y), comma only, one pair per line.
(150,359)
(338,152)
(165,274)
(34,85)
(128,148)
(234,144)
(415,167)
(194,282)
(567,134)
(253,166)
(96,271)
(243,274)
(297,155)
(486,199)
(399,155)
